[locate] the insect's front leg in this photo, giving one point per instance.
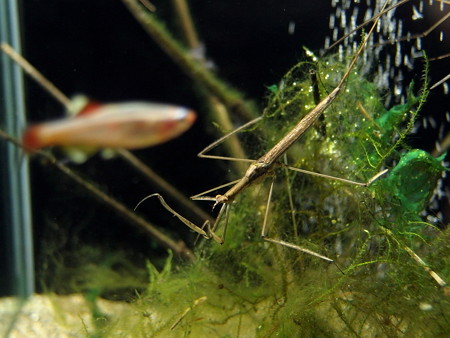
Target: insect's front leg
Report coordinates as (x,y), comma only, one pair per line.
(224,209)
(187,222)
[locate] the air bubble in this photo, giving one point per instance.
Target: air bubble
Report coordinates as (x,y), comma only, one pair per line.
(332,21)
(432,122)
(419,43)
(291,27)
(416,14)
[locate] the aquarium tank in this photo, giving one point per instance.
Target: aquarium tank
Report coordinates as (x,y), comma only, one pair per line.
(342,232)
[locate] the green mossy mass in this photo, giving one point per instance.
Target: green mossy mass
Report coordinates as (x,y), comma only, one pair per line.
(377,287)
(248,287)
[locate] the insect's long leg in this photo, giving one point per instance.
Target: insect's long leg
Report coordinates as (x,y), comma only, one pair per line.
(266,214)
(290,198)
(211,231)
(202,154)
(219,217)
(225,208)
(264,231)
(299,248)
(374,18)
(201,197)
(167,187)
(362,184)
(176,214)
(445,78)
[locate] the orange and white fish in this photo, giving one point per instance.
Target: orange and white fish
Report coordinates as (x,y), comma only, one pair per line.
(130,125)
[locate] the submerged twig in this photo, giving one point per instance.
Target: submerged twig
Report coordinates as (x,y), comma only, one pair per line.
(126,155)
(438,279)
(195,69)
(196,303)
(186,22)
(35,74)
(162,183)
(219,110)
(178,247)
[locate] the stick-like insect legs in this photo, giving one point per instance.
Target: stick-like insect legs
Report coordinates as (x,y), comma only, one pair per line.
(266,164)
(249,179)
(264,230)
(210,233)
(177,215)
(202,153)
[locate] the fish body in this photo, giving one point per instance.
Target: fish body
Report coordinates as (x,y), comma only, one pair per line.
(131,125)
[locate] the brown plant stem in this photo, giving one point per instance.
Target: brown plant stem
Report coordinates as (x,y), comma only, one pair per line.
(195,69)
(178,247)
(219,110)
(154,178)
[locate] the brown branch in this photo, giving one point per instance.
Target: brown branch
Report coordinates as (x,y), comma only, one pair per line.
(178,247)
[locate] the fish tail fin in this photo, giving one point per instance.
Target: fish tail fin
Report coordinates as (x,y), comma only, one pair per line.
(31,139)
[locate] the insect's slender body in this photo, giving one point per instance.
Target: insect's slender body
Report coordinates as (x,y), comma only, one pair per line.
(262,166)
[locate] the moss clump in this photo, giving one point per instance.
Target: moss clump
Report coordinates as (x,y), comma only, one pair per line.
(248,287)
(377,285)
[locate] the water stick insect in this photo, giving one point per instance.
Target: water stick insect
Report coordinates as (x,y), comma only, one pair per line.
(265,165)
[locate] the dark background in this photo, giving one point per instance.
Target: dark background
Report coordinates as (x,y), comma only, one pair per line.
(95,47)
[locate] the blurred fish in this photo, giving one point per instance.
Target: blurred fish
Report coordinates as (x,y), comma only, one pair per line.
(130,125)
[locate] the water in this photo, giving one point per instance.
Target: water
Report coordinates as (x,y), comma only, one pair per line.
(110,58)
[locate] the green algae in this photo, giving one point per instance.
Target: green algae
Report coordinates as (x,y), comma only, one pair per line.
(248,287)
